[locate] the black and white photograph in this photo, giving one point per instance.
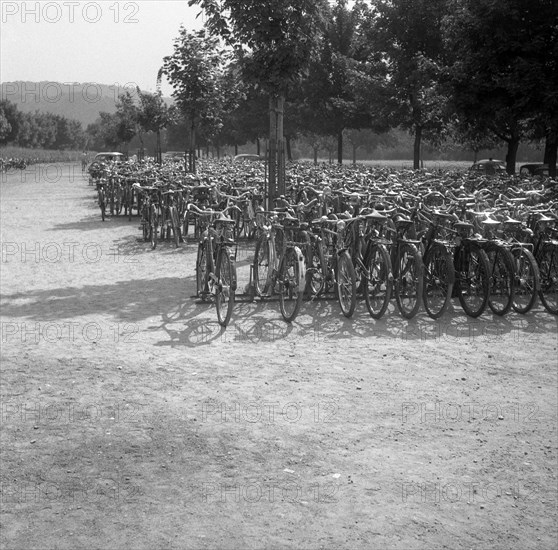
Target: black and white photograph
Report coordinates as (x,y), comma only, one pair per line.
(278,275)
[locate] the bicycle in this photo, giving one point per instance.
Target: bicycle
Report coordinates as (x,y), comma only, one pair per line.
(546,254)
(336,264)
(367,247)
(149,223)
(406,265)
(216,261)
(279,264)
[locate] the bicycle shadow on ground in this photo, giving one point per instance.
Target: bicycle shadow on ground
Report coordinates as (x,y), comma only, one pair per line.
(132,301)
(169,305)
(132,245)
(328,323)
(93,222)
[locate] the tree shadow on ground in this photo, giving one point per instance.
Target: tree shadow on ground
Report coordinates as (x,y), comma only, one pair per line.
(188,321)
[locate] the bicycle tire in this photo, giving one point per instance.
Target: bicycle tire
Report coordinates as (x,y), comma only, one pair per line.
(201,270)
(153,227)
(240,224)
(118,203)
(315,272)
(473,279)
(291,288)
(175,227)
(346,284)
(263,265)
(378,287)
(502,279)
(226,286)
(408,280)
(439,278)
(185,224)
(548,267)
(527,280)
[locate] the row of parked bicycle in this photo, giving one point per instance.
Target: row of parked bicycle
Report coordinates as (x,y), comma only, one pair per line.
(372,233)
(14,163)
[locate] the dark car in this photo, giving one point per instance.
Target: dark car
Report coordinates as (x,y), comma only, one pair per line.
(106,157)
(247,157)
(489,167)
(174,155)
(534,169)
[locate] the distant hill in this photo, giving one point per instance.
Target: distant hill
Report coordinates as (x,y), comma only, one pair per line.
(81,101)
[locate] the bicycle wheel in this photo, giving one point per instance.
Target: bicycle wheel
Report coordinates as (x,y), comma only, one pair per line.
(291,286)
(226,286)
(346,284)
(240,224)
(263,262)
(473,280)
(502,279)
(548,266)
(408,280)
(175,226)
(527,280)
(118,203)
(185,224)
(153,227)
(102,205)
(315,272)
(439,278)
(201,270)
(377,290)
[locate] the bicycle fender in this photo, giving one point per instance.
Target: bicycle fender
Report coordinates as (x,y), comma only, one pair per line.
(234,282)
(302,266)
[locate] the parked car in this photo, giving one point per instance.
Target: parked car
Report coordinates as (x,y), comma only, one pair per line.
(248,157)
(534,169)
(174,155)
(489,167)
(106,157)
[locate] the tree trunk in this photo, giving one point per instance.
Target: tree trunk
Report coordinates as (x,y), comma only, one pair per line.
(550,151)
(159,154)
(193,147)
(235,149)
(340,147)
(289,152)
(272,160)
(513,145)
(416,148)
(550,154)
(315,156)
(354,154)
(281,184)
(258,146)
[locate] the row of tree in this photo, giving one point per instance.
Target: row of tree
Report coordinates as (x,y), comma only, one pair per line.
(39,130)
(478,72)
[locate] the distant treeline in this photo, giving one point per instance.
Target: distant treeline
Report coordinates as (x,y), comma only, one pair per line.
(39,130)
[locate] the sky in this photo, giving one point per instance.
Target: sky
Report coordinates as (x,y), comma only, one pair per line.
(117,43)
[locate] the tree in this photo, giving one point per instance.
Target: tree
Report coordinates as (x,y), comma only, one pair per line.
(152,116)
(126,118)
(5,127)
(13,119)
(503,67)
(331,89)
(408,35)
(194,70)
(273,42)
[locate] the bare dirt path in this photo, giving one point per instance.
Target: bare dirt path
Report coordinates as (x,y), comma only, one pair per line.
(129,420)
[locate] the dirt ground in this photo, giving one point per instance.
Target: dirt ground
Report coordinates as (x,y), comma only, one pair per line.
(130,421)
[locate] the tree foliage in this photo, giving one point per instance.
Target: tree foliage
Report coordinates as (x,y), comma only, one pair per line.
(504,67)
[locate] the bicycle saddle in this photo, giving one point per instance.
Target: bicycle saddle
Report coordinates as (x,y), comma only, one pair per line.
(375,215)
